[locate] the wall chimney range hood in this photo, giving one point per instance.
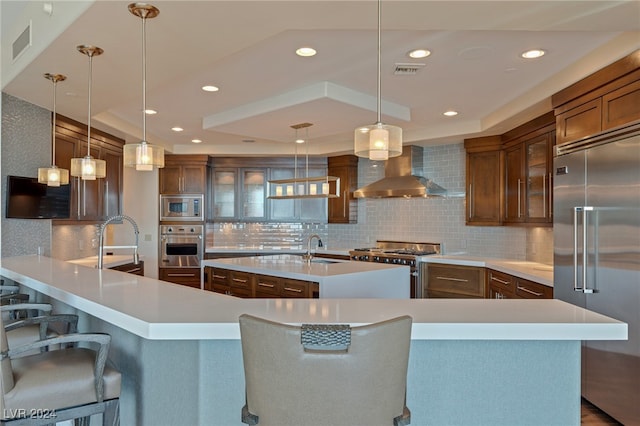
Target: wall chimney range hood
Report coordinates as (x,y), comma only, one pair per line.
(403,178)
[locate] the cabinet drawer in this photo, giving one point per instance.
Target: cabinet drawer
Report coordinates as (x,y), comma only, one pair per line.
(220,276)
(267,286)
(240,280)
(294,288)
(500,280)
(531,290)
(462,281)
(184,276)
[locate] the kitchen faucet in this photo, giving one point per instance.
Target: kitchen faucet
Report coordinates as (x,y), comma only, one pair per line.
(308,256)
(136,258)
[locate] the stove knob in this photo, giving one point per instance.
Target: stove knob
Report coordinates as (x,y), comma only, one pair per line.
(412,263)
(387,260)
(376,258)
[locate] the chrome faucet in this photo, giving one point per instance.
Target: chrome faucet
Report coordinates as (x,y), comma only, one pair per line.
(136,258)
(308,256)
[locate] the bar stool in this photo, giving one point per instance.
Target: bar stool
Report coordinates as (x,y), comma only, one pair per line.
(58,385)
(325,374)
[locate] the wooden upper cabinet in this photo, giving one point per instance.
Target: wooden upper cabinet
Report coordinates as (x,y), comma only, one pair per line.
(96,200)
(604,100)
(485,171)
(184,174)
(343,209)
(528,164)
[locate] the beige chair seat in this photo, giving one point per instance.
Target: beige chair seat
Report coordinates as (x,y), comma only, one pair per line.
(70,383)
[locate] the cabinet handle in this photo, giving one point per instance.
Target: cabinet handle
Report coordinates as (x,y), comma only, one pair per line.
(500,281)
(519,202)
(526,290)
(131,271)
(470,200)
(221,277)
(295,290)
(181,275)
(344,204)
(453,279)
(238,280)
(544,196)
(550,194)
(261,284)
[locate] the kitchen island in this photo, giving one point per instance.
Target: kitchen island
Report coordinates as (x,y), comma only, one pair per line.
(498,362)
(335,278)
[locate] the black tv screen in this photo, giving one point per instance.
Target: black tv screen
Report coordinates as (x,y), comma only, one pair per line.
(28,199)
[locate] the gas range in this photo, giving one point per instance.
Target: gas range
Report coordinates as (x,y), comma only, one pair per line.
(395,252)
(398,253)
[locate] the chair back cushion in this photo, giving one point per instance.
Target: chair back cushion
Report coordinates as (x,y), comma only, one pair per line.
(364,384)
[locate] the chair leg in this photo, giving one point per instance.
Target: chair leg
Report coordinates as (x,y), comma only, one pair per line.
(111,415)
(82,421)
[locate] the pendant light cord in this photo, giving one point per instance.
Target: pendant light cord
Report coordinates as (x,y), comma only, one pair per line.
(379,66)
(144,79)
(90,54)
(53,125)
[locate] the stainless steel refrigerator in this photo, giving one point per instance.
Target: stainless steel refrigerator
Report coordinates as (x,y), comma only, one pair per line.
(596,233)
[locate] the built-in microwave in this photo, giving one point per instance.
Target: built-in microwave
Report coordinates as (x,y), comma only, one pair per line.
(182,207)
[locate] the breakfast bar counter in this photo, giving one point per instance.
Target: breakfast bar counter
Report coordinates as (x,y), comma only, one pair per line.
(471,362)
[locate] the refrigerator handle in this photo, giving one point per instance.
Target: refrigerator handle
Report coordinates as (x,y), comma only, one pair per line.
(585,254)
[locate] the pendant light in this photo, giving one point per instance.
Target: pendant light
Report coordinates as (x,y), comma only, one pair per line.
(53,176)
(378,141)
(307,186)
(89,168)
(143,156)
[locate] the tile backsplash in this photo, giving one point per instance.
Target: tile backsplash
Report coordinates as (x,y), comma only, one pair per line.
(416,219)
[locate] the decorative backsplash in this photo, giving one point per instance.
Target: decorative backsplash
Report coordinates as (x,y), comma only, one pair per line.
(263,234)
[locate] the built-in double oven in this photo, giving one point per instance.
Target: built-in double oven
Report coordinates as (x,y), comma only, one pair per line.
(181,230)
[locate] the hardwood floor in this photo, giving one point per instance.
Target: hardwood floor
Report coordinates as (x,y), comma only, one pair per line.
(593,416)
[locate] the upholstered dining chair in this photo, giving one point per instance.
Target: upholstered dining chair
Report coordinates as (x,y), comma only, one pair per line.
(57,385)
(23,324)
(325,374)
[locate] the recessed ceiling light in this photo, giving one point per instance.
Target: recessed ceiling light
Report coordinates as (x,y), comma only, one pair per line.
(419,53)
(533,53)
(306,51)
(210,88)
(150,111)
(299,140)
(177,129)
(450,113)
(196,141)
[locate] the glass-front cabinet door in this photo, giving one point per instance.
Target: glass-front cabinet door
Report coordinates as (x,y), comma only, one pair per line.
(254,184)
(539,198)
(224,193)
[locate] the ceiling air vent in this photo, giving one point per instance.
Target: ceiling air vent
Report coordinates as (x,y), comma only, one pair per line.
(22,42)
(407,69)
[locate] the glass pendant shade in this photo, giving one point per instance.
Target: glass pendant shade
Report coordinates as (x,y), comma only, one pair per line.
(53,175)
(143,156)
(88,168)
(378,141)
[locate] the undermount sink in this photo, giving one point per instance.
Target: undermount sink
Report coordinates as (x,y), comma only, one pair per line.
(324,261)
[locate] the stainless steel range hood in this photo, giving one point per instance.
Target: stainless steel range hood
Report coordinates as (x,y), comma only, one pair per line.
(403,178)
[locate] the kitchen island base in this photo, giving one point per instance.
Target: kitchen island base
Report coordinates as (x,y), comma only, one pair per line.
(450,382)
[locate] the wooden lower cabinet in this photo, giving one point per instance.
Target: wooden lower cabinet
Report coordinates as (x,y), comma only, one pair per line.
(501,285)
(248,285)
(452,281)
(185,276)
(131,268)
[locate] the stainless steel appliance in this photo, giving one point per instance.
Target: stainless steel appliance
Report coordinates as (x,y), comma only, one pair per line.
(182,207)
(181,246)
(398,253)
(597,258)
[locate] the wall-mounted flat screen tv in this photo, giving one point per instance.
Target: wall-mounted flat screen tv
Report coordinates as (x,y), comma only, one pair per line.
(28,199)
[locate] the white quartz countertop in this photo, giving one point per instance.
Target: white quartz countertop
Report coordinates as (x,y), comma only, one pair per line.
(160,310)
(533,271)
(109,261)
(293,266)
